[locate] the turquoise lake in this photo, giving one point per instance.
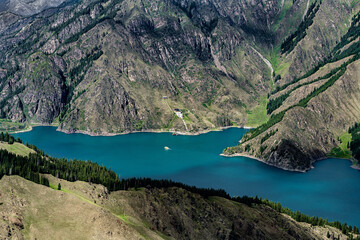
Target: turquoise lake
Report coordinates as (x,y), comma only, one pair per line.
(331,190)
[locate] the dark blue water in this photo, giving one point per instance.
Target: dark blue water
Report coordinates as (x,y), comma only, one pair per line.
(331,190)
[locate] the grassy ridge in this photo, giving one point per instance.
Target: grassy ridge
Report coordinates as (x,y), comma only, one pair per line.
(16,148)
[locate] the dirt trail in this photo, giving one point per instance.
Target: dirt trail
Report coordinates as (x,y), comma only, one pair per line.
(267,62)
(306,9)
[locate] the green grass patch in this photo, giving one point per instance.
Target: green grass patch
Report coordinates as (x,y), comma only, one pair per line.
(343,150)
(53,186)
(257,115)
(345,140)
(124,218)
(339,153)
(16,148)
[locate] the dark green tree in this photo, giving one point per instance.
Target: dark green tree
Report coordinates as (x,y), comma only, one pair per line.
(6,138)
(44,181)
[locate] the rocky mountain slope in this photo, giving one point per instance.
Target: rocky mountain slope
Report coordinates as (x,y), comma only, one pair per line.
(82,211)
(118,66)
(27,7)
(310,115)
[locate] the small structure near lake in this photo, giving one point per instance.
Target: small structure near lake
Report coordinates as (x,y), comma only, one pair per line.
(178,113)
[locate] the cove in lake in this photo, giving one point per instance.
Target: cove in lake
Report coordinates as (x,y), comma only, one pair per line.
(331,190)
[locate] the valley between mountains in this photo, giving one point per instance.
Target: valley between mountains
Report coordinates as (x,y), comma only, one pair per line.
(289,69)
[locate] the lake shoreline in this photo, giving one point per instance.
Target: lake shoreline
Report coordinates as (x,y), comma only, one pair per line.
(29,129)
(263,161)
(128,132)
(356,167)
(197,161)
(149,131)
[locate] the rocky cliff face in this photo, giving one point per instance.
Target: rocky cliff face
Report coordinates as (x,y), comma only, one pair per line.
(28,7)
(118,66)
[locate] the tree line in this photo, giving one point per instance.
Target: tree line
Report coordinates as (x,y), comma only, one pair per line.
(6,137)
(291,41)
(355,141)
(275,103)
(314,221)
(275,118)
(33,167)
(352,33)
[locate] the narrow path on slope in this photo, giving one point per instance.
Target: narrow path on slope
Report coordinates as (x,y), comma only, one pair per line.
(307,8)
(179,114)
(267,62)
(187,130)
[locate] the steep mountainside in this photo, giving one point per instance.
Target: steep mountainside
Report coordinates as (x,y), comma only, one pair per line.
(310,116)
(117,66)
(82,211)
(27,7)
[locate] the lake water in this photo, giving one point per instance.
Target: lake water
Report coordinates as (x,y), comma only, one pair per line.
(331,190)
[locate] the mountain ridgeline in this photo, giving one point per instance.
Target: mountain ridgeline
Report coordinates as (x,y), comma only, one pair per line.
(118,66)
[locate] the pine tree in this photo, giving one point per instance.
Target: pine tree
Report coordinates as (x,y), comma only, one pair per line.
(344,228)
(6,138)
(59,186)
